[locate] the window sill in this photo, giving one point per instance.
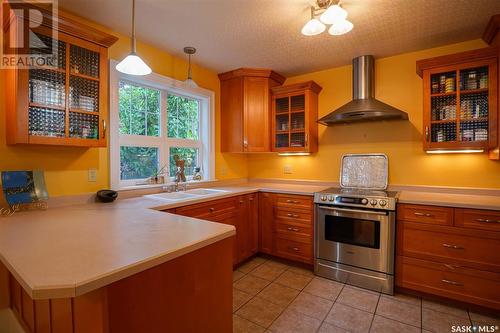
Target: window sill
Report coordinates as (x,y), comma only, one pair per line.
(190,183)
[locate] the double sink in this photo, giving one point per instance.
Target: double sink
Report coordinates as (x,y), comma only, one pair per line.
(187,195)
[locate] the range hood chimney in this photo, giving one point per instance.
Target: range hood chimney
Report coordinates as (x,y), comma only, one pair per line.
(364,106)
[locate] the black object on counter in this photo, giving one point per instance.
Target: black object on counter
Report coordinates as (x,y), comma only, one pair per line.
(106,196)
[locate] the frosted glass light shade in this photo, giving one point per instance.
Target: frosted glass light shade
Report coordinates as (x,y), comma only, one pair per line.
(190,82)
(313,27)
(340,28)
(333,14)
(133,65)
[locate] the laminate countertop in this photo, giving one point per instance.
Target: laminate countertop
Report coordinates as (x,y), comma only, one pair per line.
(71,250)
(489,202)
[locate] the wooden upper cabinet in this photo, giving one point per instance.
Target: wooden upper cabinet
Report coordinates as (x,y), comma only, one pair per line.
(460,100)
(63,101)
(294,118)
(245,109)
(491,36)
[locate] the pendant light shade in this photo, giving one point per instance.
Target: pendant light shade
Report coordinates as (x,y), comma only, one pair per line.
(340,28)
(189,50)
(133,64)
(313,27)
(333,14)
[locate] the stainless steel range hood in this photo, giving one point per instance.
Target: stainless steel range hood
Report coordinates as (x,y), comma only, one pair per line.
(364,106)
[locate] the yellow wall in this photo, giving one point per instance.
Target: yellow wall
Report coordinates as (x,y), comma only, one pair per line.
(397,84)
(66,168)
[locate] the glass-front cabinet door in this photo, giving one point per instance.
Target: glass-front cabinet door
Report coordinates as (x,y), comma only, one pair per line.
(63,99)
(294,117)
(460,106)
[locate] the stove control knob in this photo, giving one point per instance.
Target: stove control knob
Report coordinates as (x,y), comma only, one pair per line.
(323,198)
(373,202)
(364,201)
(331,198)
(383,203)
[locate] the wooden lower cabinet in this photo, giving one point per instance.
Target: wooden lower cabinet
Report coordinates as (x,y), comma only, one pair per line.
(191,293)
(271,223)
(240,211)
(266,222)
(452,254)
(286,226)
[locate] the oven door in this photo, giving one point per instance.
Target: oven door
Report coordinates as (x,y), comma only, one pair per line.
(356,237)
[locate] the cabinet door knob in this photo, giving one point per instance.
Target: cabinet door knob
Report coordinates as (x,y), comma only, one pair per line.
(212,209)
(296,249)
(426,133)
(293,229)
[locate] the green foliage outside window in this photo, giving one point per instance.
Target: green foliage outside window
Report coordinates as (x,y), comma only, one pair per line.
(139,110)
(138,162)
(183,117)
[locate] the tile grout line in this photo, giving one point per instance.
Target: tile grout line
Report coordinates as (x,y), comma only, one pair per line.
(374,312)
(333,303)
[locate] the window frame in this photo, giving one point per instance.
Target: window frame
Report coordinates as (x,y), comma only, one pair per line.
(166,86)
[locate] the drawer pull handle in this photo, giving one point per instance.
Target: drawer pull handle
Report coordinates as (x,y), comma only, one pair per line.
(451,266)
(456,247)
(292,215)
(296,249)
(212,209)
(454,283)
(293,229)
(293,201)
(487,221)
(423,214)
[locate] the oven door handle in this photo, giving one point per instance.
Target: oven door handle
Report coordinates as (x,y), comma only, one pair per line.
(352,210)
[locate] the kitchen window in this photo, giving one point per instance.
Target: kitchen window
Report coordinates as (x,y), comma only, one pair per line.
(153,120)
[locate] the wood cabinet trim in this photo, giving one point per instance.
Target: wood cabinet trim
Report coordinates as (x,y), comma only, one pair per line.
(252,72)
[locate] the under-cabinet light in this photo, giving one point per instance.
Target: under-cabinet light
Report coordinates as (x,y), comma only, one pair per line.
(456,151)
(294,154)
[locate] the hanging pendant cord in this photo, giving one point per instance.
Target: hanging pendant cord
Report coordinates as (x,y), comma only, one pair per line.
(133,46)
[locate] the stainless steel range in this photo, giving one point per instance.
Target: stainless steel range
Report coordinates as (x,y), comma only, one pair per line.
(355,229)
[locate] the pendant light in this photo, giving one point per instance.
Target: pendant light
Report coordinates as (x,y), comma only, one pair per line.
(189,50)
(133,64)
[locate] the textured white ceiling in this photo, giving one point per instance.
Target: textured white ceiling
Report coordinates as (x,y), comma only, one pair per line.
(266,33)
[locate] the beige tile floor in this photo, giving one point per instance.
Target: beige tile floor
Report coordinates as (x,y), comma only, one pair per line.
(269,296)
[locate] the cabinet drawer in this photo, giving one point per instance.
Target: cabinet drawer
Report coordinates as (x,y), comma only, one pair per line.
(294,230)
(475,252)
(209,209)
(294,201)
(426,214)
(294,249)
(477,219)
(470,285)
(294,217)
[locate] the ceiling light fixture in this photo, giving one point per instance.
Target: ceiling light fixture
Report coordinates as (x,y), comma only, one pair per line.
(133,64)
(189,50)
(330,13)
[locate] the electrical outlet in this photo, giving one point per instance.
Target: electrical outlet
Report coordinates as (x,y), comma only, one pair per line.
(287,169)
(223,171)
(92,176)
